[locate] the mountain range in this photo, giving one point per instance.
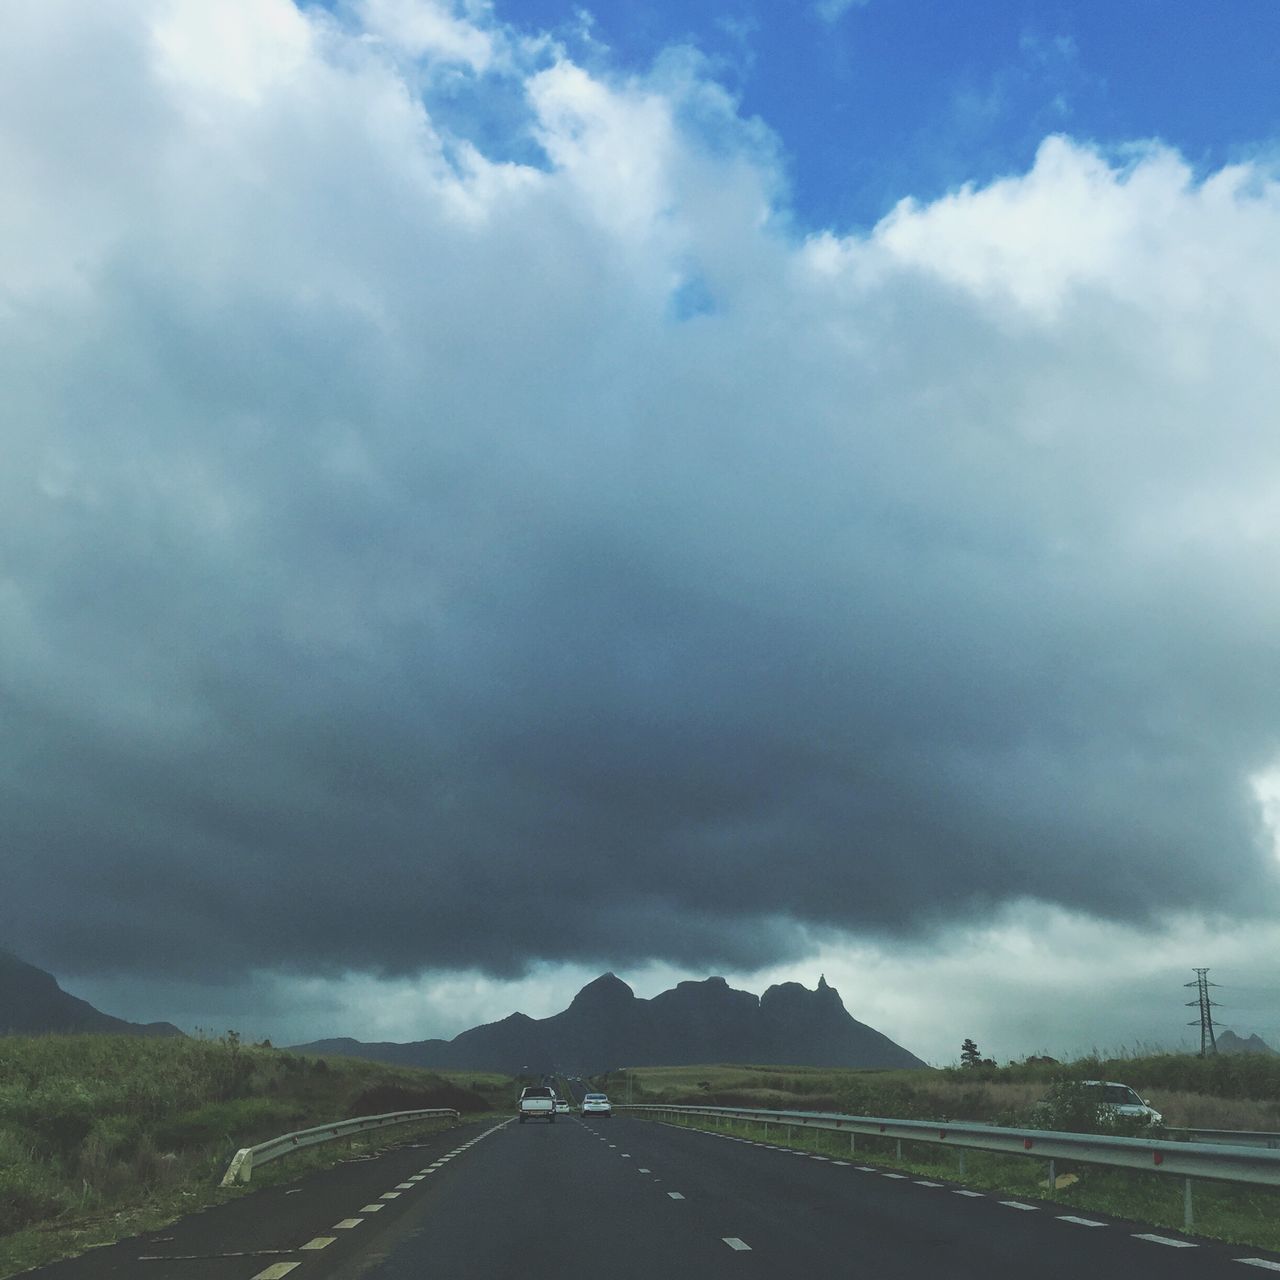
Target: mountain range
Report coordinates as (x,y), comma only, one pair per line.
(1229,1042)
(607,1025)
(32,1003)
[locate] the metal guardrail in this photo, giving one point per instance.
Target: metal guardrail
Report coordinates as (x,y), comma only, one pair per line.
(1216,1162)
(244,1161)
(1232,1137)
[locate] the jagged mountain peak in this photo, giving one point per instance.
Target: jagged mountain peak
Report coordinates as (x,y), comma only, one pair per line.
(607,1025)
(605,991)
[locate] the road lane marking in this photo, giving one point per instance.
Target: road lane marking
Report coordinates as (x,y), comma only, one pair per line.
(404,1186)
(1017,1204)
(320,1242)
(920,1182)
(734,1243)
(900,1176)
(865,1168)
(827,1158)
(390,1195)
(645,1171)
(277,1271)
(373,1208)
(1173,1244)
(416,1177)
(1260,1262)
(624,1155)
(843,1164)
(675,1195)
(1080,1222)
(960,1191)
(346,1224)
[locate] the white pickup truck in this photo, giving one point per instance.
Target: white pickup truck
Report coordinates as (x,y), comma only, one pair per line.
(537,1102)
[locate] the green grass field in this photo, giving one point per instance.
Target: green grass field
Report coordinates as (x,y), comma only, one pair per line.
(105,1136)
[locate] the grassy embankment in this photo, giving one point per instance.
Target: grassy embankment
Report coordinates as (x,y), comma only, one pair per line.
(1239,1092)
(105,1136)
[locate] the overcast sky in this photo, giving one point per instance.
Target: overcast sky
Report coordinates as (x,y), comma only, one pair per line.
(493,493)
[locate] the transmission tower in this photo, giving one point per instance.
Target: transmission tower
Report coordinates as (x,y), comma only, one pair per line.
(1208,1041)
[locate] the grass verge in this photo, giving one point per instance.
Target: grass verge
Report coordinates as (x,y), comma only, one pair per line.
(103,1137)
(1223,1211)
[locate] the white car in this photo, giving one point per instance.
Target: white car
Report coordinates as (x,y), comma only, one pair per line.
(1122,1100)
(597,1104)
(1116,1098)
(561,1105)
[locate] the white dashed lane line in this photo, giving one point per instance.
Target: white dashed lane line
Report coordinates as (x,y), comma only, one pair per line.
(277,1271)
(320,1242)
(346,1224)
(734,1242)
(373,1208)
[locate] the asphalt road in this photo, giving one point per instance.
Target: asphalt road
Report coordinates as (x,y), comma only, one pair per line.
(622,1198)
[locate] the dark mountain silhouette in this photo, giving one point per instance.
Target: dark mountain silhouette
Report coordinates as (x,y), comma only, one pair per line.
(607,1026)
(32,1003)
(1229,1042)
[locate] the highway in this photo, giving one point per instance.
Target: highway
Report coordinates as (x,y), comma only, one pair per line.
(622,1198)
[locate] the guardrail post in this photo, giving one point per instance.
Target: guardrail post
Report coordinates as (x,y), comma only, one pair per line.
(853,1143)
(961,1155)
(1188,1218)
(899,1148)
(1053,1179)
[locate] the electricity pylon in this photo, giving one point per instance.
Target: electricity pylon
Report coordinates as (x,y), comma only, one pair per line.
(1208,1041)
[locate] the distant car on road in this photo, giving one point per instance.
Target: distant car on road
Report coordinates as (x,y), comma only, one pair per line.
(562,1105)
(536,1102)
(1110,1097)
(597,1104)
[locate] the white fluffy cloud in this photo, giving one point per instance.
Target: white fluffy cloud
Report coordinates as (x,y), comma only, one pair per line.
(398,533)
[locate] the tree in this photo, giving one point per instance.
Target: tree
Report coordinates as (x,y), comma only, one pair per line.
(970,1055)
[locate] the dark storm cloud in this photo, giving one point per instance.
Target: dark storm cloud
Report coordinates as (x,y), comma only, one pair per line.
(387,587)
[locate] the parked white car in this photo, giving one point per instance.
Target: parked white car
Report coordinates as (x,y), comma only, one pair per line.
(597,1104)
